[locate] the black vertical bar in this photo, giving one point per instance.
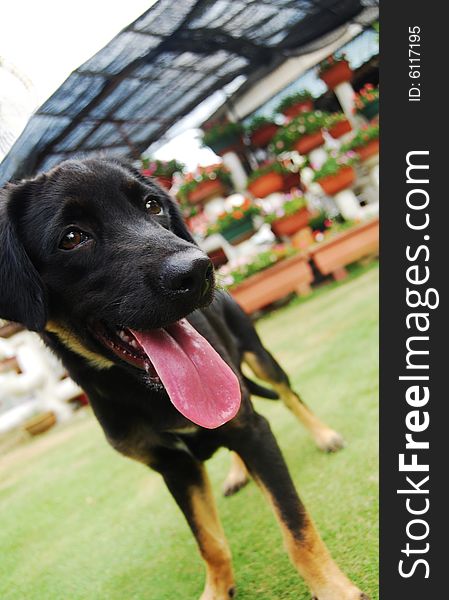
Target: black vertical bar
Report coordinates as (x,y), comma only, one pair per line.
(407,126)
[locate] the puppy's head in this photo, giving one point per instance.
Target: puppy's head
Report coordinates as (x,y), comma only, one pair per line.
(93,252)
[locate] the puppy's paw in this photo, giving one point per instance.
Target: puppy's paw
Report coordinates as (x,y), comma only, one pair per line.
(358,596)
(329,440)
(233,484)
(227,594)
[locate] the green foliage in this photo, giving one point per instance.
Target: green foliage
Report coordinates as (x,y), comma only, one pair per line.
(233,275)
(216,133)
(333,164)
(303,124)
(292,99)
(204,174)
(152,167)
(257,123)
(235,214)
(362,137)
(288,208)
(319,222)
(272,167)
(367,95)
(330,61)
(334,118)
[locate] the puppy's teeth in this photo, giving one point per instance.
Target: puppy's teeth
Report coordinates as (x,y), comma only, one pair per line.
(133,343)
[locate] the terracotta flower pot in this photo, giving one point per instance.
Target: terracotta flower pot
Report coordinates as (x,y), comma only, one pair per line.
(218,257)
(338,73)
(309,142)
(227,144)
(266,184)
(291,180)
(296,109)
(340,129)
(369,150)
(290,224)
(165,182)
(333,255)
(289,275)
(332,184)
(262,137)
(205,190)
(40,423)
(239,231)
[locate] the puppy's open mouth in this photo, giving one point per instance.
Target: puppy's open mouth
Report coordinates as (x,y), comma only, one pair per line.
(123,344)
(199,383)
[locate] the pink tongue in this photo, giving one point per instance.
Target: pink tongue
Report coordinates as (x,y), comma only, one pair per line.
(199,383)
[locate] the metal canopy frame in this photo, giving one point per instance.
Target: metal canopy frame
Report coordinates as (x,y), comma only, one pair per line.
(163,65)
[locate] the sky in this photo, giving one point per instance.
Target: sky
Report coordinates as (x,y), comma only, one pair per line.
(47,39)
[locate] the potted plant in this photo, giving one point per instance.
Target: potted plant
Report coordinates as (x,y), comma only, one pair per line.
(261,131)
(292,180)
(296,103)
(236,224)
(319,222)
(347,245)
(334,70)
(289,217)
(268,179)
(337,124)
(238,270)
(223,137)
(260,280)
(367,101)
(206,183)
(190,213)
(365,142)
(336,174)
(161,170)
(303,133)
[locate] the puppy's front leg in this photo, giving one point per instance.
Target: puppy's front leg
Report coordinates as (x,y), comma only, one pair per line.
(189,484)
(258,448)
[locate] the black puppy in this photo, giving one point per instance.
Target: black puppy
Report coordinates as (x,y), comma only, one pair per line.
(98,261)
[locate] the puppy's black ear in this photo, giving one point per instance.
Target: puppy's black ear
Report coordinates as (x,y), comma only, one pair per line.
(22,297)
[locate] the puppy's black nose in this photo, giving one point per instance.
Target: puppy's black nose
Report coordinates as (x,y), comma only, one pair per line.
(190,271)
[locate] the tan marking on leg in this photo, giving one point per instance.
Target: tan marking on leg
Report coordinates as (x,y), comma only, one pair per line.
(212,542)
(71,341)
(313,561)
(253,363)
(237,477)
(325,438)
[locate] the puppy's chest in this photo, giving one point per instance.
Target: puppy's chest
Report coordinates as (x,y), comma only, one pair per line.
(130,403)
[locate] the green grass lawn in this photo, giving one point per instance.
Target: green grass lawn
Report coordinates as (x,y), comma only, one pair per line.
(78,521)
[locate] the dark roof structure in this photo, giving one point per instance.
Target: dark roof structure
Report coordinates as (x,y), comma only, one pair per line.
(160,67)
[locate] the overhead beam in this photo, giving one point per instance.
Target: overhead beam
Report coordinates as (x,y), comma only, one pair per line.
(288,72)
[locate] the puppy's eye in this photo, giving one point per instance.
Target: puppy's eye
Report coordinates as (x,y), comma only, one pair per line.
(154,207)
(72,239)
